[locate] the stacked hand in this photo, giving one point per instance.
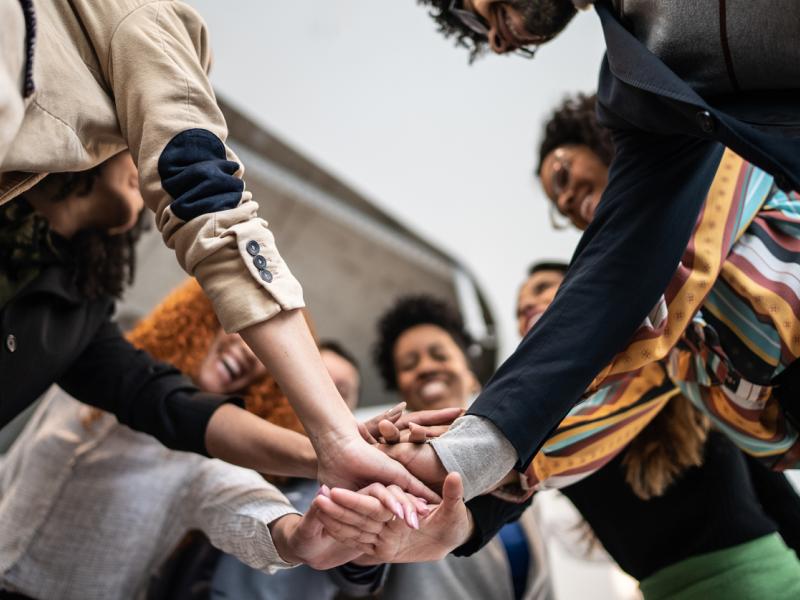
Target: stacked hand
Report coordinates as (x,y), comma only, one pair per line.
(341,525)
(381,523)
(446,527)
(353,462)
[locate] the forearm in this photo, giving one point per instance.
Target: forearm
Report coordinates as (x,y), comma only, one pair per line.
(284,343)
(627,258)
(241,438)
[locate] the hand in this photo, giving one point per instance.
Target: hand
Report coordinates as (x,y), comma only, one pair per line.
(421,460)
(304,540)
(349,462)
(346,513)
(418,422)
(448,526)
(415,434)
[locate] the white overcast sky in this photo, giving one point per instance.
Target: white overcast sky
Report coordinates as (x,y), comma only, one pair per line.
(370,91)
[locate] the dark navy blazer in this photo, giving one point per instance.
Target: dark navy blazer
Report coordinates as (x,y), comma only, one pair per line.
(669,142)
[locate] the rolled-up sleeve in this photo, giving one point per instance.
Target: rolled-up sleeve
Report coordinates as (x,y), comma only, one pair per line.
(157,61)
(234,507)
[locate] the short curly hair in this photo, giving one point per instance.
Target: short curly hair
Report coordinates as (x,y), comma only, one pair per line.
(409,312)
(542,17)
(575,122)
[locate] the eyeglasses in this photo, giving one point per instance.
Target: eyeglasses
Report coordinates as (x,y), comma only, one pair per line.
(559,180)
(477,24)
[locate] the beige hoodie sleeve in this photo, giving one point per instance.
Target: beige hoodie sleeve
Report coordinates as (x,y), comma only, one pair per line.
(157,63)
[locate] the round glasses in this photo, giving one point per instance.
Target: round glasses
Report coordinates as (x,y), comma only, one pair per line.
(477,24)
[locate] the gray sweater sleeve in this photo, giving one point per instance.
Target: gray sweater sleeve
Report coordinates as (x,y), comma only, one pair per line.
(475,448)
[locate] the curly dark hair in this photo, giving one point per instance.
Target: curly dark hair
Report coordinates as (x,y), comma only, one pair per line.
(575,122)
(103,264)
(409,312)
(542,17)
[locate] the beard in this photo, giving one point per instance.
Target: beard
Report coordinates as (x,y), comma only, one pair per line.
(544,18)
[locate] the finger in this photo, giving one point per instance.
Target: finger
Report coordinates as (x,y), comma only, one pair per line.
(409,508)
(365,433)
(441,416)
(354,518)
(310,526)
(384,496)
(372,502)
(391,415)
(452,492)
(390,433)
(346,534)
(423,508)
(394,413)
(417,434)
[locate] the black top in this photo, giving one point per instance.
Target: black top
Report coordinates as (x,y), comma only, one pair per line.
(708,508)
(50,333)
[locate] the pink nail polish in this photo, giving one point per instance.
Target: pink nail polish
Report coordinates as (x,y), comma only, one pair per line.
(414,520)
(398,510)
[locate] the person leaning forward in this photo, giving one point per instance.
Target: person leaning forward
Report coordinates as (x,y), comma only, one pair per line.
(671,113)
(80,82)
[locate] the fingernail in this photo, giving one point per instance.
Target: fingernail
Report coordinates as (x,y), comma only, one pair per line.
(398,510)
(325,490)
(414,520)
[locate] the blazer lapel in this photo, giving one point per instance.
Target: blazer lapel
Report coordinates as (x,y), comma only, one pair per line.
(631,62)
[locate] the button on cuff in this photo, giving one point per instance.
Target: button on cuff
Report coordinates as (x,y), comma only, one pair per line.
(253,247)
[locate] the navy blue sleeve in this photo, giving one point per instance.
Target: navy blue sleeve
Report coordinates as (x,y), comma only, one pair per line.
(623,263)
(489,514)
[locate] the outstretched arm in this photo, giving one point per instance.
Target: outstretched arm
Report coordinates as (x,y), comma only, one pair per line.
(623,264)
(155,60)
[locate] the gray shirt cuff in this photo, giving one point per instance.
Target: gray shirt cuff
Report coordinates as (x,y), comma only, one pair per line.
(478,451)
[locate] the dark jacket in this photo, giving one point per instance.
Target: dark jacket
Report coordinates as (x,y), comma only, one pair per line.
(669,142)
(51,333)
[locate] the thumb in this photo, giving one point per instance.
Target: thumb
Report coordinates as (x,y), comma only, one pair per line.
(452,492)
(310,526)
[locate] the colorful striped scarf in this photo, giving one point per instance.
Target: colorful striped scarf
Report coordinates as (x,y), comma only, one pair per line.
(742,267)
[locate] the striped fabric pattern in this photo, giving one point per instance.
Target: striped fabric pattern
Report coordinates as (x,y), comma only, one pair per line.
(737,192)
(600,427)
(742,267)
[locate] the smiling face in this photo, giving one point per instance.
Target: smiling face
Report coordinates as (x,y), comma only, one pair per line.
(431,369)
(574,178)
(229,366)
(535,295)
(514,24)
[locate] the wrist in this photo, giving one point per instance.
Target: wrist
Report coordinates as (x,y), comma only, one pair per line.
(281,530)
(470,528)
(333,435)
